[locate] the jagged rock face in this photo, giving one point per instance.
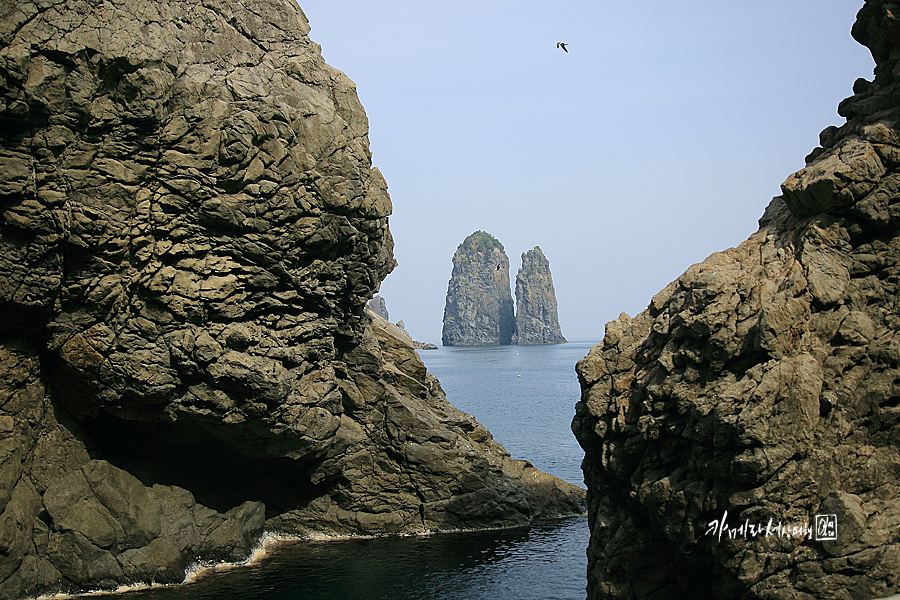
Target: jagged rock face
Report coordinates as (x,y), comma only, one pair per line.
(763,383)
(70,522)
(479,306)
(190,227)
(537,321)
(378,306)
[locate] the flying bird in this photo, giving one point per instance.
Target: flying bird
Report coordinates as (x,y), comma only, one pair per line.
(562,45)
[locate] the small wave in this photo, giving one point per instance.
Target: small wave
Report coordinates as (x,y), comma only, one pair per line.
(199,569)
(194,571)
(130,587)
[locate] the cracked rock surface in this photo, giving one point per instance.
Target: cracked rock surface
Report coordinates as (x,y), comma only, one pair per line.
(190,227)
(764,384)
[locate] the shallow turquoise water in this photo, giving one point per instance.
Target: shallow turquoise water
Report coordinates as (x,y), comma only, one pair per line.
(525,395)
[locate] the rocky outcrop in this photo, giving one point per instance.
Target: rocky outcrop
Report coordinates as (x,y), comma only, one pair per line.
(479,306)
(190,227)
(399,331)
(73,522)
(761,388)
(378,307)
(537,321)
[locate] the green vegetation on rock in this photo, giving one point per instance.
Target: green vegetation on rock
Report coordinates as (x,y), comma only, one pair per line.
(481,241)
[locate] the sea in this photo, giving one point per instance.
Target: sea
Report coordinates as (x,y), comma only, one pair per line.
(525,395)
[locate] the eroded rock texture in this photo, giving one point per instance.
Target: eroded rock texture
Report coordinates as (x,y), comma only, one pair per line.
(479,306)
(764,383)
(537,320)
(190,229)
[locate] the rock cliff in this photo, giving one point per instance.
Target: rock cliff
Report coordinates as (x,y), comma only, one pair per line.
(537,321)
(190,227)
(763,388)
(479,306)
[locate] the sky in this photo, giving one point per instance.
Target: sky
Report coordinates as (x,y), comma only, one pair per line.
(658,139)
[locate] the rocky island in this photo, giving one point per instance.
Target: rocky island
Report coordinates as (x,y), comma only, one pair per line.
(378,306)
(741,434)
(537,321)
(190,228)
(479,306)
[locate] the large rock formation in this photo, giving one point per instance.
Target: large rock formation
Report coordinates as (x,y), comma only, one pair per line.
(378,307)
(537,321)
(479,307)
(762,387)
(190,227)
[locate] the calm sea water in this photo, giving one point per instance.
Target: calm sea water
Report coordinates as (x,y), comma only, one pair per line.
(525,396)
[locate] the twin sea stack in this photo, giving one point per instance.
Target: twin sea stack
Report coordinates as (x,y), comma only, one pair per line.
(479,306)
(190,227)
(537,321)
(742,435)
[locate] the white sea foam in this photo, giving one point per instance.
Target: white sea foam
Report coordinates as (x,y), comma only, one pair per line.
(199,569)
(194,571)
(139,585)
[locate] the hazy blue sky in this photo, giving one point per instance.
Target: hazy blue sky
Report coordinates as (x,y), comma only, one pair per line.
(657,140)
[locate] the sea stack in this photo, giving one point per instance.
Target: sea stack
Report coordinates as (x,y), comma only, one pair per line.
(190,227)
(378,306)
(479,307)
(537,321)
(741,434)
